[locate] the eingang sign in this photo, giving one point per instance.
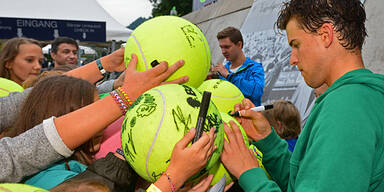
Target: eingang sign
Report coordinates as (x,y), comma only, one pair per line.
(49,29)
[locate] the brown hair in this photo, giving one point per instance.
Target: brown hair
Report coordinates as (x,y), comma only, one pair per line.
(59,70)
(347,16)
(10,51)
(56,96)
(289,117)
(233,33)
(32,80)
(80,186)
(59,40)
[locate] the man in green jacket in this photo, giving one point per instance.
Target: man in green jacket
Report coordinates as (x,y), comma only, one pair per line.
(341,147)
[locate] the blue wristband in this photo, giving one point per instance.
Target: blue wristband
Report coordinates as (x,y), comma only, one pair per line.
(119,151)
(101,68)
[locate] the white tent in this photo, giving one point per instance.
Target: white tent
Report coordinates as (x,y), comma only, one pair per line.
(82,10)
(87,50)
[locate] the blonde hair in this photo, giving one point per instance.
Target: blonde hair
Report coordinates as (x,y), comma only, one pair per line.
(285,118)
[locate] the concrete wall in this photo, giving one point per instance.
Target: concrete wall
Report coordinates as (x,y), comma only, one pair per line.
(373,49)
(216,17)
(225,13)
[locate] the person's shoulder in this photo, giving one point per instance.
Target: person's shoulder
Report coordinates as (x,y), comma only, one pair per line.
(249,60)
(351,100)
(251,63)
(352,91)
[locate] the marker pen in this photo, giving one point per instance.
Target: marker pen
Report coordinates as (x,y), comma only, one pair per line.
(257,109)
(202,115)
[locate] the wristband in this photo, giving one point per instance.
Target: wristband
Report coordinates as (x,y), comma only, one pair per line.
(120,152)
(153,188)
(119,102)
(101,68)
(121,95)
(121,90)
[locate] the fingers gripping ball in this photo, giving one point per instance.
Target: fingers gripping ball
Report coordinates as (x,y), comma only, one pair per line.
(17,187)
(218,169)
(170,38)
(7,86)
(225,95)
(157,120)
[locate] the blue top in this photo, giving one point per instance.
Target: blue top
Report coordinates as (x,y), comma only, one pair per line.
(291,144)
(55,174)
(249,78)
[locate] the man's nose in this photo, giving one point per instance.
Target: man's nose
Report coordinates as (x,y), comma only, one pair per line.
(293,59)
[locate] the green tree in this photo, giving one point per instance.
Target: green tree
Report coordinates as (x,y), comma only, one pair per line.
(163,7)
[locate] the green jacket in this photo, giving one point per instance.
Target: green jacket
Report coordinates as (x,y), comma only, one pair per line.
(341,147)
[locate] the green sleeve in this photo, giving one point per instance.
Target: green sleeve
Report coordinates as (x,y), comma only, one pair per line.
(256,180)
(276,158)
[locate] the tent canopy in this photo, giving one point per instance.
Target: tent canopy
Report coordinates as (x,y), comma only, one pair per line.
(84,10)
(87,50)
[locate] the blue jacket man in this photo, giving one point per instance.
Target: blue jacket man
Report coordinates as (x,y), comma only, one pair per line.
(243,72)
(249,78)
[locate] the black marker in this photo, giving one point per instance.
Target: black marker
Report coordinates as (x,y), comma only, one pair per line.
(257,109)
(202,114)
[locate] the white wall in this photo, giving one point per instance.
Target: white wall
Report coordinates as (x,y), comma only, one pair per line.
(373,49)
(216,17)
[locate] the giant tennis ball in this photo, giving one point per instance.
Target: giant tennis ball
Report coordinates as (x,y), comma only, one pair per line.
(7,86)
(19,187)
(170,38)
(225,95)
(157,120)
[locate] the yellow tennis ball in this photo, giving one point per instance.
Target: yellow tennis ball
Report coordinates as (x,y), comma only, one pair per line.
(225,95)
(7,86)
(170,38)
(259,155)
(18,187)
(157,120)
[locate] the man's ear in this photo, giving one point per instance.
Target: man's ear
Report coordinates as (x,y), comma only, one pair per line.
(326,34)
(239,44)
(8,65)
(279,124)
(53,55)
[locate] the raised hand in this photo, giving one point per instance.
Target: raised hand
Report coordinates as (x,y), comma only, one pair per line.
(137,82)
(114,62)
(254,123)
(219,67)
(187,160)
(236,156)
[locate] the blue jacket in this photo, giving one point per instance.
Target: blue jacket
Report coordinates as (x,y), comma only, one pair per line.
(291,144)
(249,78)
